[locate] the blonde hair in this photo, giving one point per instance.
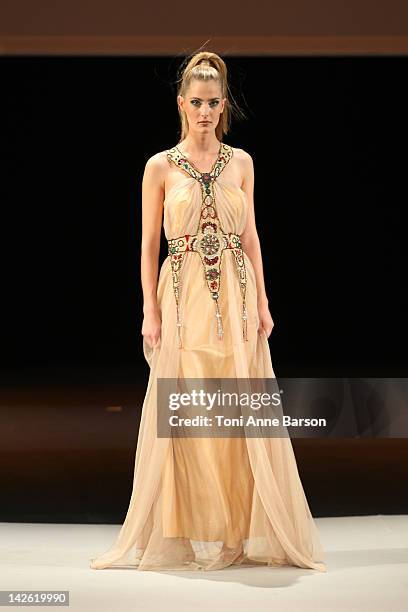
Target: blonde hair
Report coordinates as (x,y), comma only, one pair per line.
(204,66)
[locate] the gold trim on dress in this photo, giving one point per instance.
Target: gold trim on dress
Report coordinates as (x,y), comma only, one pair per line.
(209,241)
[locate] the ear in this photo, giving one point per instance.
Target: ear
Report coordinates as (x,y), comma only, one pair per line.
(180,101)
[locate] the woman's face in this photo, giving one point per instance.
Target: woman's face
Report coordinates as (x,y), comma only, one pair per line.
(203,105)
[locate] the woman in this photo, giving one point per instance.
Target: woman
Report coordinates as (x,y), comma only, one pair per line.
(203,503)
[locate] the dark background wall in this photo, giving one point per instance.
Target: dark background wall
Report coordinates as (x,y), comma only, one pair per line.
(328,138)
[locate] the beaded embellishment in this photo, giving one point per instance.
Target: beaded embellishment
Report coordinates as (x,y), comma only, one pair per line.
(209,241)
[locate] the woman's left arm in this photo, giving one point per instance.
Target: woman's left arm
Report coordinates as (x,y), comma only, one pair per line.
(251,244)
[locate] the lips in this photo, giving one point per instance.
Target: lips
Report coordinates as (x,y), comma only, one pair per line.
(204,122)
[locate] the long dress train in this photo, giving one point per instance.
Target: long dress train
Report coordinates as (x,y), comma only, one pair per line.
(207,503)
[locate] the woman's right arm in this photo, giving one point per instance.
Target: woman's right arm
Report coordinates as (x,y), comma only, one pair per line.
(152,214)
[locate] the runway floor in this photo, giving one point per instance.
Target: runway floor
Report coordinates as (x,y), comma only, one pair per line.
(366,557)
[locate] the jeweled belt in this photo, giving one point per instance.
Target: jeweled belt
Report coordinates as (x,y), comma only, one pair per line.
(209,241)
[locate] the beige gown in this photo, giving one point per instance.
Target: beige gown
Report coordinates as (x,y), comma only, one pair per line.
(206,503)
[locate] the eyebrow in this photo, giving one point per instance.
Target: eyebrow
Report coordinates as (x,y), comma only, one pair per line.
(201,100)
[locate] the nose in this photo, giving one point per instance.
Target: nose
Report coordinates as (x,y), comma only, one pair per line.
(205,111)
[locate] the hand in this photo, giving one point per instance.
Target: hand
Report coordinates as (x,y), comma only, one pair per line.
(265,319)
(151,327)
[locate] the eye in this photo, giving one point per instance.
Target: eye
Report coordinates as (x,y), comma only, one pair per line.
(197,102)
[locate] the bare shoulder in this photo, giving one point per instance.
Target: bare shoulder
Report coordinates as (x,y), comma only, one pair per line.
(243,157)
(241,154)
(246,167)
(155,172)
(158,161)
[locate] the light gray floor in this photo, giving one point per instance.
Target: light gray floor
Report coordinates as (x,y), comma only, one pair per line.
(366,557)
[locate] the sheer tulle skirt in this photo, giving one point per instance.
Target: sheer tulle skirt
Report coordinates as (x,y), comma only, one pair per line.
(206,503)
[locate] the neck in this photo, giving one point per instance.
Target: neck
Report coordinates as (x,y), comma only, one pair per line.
(200,143)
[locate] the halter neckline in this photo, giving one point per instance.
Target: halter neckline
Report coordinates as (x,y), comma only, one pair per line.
(193,164)
(225,153)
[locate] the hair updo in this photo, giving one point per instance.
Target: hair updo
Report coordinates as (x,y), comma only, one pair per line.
(204,66)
